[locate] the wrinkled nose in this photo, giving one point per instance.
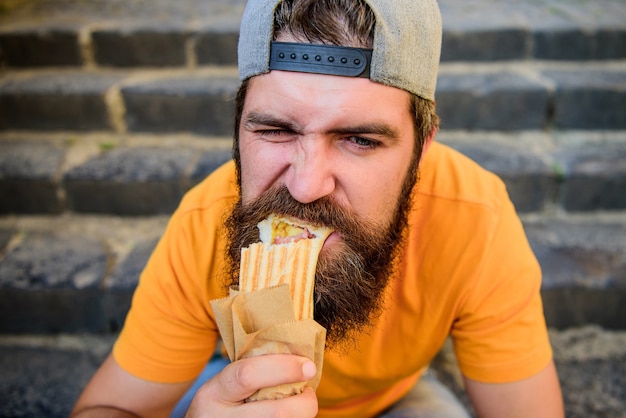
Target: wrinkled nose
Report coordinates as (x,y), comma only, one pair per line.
(310,175)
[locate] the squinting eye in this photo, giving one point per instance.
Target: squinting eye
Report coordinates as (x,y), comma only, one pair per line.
(275,135)
(272,132)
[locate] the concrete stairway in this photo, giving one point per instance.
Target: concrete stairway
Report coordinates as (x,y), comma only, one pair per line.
(110,111)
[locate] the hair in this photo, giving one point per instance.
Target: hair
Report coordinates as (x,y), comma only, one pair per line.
(336,22)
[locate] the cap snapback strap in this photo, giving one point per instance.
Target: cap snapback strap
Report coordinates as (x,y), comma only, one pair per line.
(320,59)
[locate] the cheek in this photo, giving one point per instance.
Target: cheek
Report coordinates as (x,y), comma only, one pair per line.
(251,180)
(375,196)
(382,188)
(389,195)
(260,168)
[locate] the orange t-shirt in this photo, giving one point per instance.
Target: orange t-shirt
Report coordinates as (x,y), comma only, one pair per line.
(468,272)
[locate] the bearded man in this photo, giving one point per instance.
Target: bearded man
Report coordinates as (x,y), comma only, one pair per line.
(335,125)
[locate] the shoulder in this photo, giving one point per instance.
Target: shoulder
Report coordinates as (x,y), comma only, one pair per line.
(213,195)
(196,230)
(464,227)
(456,197)
(448,175)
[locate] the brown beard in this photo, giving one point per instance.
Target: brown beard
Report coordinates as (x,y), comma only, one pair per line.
(351,277)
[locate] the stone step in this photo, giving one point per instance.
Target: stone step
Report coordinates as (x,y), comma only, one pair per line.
(194,32)
(583,260)
(71,273)
(42,376)
(76,273)
(162,101)
(132,175)
(494,97)
(103,173)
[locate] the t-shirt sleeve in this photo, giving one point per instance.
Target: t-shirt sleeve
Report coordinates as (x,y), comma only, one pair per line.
(500,333)
(169,333)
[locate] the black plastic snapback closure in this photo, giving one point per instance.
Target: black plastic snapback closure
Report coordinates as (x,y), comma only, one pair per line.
(320,59)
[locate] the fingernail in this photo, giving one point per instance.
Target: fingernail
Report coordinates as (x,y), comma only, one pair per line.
(308,369)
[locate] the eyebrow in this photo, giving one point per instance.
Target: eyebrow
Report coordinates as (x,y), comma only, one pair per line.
(375,128)
(254,119)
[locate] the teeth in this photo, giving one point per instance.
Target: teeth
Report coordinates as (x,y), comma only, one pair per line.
(265,265)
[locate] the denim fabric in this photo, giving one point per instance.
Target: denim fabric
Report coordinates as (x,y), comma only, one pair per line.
(212,368)
(428,399)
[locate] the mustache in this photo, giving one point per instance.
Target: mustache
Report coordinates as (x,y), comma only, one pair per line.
(325,211)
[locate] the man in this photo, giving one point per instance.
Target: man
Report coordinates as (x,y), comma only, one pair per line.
(337,136)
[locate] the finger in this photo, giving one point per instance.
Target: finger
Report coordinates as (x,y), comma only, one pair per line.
(242,378)
(303,405)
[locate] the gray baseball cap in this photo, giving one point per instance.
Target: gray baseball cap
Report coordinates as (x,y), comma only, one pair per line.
(405,54)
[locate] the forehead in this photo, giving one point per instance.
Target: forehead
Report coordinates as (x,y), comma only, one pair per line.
(315,97)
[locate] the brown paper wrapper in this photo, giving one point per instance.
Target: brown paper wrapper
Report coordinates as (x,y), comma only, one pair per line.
(263,322)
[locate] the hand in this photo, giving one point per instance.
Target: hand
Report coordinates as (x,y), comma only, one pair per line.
(223,395)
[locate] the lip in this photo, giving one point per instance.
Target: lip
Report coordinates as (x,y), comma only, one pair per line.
(332,239)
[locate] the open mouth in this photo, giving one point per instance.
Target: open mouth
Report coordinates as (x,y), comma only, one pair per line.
(284,230)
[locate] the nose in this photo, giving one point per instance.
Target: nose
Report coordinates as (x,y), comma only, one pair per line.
(311,173)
